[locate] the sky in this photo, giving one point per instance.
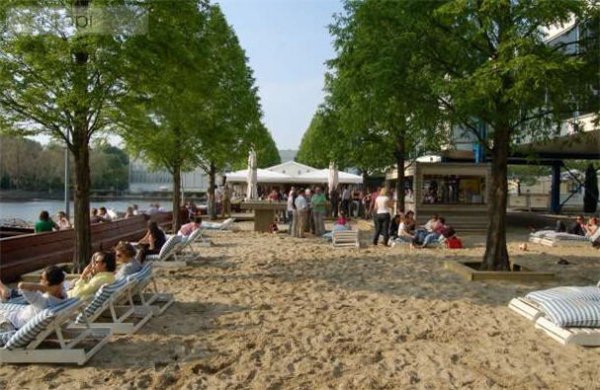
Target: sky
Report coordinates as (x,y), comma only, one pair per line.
(287,43)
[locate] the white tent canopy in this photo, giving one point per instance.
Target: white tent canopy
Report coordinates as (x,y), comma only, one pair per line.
(292,172)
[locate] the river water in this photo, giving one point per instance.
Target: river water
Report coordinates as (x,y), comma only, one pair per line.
(29,210)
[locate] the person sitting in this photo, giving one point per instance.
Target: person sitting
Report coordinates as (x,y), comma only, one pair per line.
(190,227)
(394,224)
(125,255)
(342,220)
(129,212)
(103,215)
(94,217)
(101,270)
(409,222)
(578,227)
(422,232)
(63,222)
(47,293)
(45,223)
(152,241)
(403,234)
(437,231)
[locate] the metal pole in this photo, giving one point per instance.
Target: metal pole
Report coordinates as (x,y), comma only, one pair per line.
(67,200)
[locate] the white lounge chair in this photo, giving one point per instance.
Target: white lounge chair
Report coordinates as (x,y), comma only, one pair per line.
(225,225)
(112,307)
(186,249)
(145,291)
(553,239)
(47,338)
(168,255)
(531,308)
(587,337)
(345,238)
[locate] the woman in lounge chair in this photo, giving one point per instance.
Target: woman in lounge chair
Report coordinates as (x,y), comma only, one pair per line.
(48,292)
(125,255)
(101,270)
(152,242)
(190,227)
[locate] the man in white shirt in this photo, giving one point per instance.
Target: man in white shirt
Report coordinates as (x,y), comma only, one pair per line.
(48,292)
(291,210)
(301,214)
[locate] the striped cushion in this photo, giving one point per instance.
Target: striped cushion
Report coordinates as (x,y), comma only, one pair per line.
(587,293)
(143,274)
(5,336)
(166,248)
(29,332)
(559,236)
(102,295)
(573,312)
(10,306)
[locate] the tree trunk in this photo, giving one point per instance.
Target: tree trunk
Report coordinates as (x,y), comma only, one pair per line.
(83,240)
(176,197)
(399,153)
(495,257)
(212,207)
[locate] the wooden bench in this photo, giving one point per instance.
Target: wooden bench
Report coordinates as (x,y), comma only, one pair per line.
(29,252)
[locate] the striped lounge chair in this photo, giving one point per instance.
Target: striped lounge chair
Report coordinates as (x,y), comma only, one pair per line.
(225,225)
(168,255)
(570,315)
(47,338)
(112,307)
(145,292)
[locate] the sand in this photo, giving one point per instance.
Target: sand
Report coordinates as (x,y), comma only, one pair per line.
(267,311)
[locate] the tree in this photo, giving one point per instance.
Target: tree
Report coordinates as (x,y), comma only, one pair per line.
(59,80)
(488,62)
(235,114)
(590,198)
(162,119)
(381,101)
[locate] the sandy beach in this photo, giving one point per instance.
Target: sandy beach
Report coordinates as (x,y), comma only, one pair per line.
(267,311)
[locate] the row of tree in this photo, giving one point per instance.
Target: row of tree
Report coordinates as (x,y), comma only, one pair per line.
(407,73)
(30,166)
(168,76)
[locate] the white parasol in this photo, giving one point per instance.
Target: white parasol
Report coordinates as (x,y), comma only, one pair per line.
(332,179)
(252,179)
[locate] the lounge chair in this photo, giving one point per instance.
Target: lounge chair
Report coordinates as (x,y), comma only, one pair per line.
(552,238)
(145,292)
(112,307)
(186,249)
(345,238)
(587,337)
(46,338)
(168,251)
(531,308)
(225,225)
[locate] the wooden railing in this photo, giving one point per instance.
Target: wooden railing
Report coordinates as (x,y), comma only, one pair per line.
(28,252)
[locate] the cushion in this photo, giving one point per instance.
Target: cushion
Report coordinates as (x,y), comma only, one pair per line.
(587,293)
(101,297)
(573,312)
(37,324)
(169,245)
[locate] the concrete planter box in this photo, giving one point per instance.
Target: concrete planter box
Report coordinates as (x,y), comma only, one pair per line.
(469,271)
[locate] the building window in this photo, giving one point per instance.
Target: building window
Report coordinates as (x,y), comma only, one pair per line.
(453,189)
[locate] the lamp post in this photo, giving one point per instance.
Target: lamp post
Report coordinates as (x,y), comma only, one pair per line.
(67,200)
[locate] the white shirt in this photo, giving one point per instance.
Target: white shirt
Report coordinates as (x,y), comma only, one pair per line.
(37,303)
(381,204)
(300,203)
(290,203)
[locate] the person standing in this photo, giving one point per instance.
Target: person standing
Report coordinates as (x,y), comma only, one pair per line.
(319,207)
(301,214)
(345,206)
(226,201)
(382,217)
(291,211)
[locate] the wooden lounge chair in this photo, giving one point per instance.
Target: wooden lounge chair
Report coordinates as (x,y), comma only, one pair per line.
(531,308)
(145,291)
(587,337)
(554,239)
(47,338)
(112,307)
(525,307)
(345,238)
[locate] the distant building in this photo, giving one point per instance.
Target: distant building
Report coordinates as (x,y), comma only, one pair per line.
(142,179)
